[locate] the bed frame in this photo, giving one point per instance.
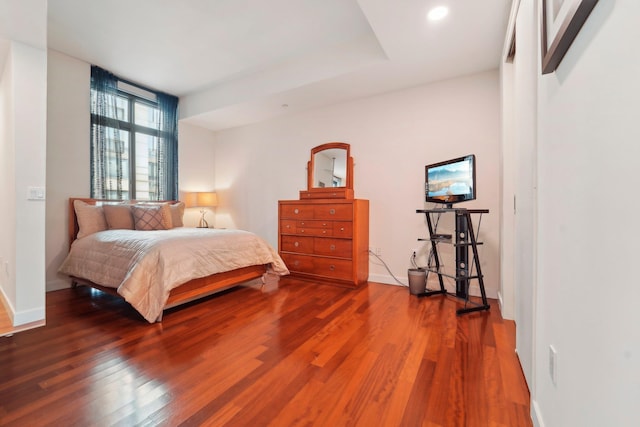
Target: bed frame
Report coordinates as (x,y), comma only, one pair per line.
(190,291)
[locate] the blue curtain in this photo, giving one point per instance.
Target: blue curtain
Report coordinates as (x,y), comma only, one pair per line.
(106,176)
(112,132)
(167,153)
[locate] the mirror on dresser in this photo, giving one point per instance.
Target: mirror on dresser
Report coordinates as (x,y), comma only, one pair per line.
(329,172)
(330,168)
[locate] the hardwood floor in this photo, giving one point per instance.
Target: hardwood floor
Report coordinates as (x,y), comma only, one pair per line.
(6,326)
(302,355)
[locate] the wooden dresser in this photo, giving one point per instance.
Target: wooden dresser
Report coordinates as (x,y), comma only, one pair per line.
(325,239)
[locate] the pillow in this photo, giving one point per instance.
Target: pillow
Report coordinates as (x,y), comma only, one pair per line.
(118,217)
(177,213)
(151,217)
(90,218)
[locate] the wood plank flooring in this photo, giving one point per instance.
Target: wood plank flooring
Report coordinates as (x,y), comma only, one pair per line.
(304,354)
(6,326)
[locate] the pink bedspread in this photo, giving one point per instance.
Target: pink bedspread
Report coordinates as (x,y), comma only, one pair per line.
(145,265)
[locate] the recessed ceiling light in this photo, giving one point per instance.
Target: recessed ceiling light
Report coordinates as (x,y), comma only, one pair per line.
(437,13)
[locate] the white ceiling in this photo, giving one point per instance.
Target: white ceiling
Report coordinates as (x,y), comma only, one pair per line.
(234,62)
(23,21)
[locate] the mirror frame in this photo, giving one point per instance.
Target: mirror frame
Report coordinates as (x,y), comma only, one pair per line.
(345,191)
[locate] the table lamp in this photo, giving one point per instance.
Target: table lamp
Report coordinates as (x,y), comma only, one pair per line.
(202,200)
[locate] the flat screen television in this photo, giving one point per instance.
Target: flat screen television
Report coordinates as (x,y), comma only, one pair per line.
(451,181)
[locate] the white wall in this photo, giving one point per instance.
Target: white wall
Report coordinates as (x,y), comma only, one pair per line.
(585,296)
(68,156)
(7,182)
(521,149)
(68,173)
(506,294)
(196,167)
(392,137)
(23,142)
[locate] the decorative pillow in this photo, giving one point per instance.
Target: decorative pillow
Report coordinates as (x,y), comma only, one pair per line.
(166,211)
(151,217)
(118,217)
(177,213)
(90,218)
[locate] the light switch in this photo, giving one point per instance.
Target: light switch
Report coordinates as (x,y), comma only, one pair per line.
(36,193)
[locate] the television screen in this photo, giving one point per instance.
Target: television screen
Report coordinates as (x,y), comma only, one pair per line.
(451,181)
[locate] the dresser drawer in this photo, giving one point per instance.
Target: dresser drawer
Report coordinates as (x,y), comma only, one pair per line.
(298,263)
(314,224)
(339,212)
(334,268)
(329,268)
(288,226)
(327,193)
(299,244)
(342,229)
(297,211)
(340,248)
(321,232)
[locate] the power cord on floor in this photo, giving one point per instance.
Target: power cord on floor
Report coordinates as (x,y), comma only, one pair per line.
(387,267)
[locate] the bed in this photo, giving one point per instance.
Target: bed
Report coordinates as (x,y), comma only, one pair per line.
(156,266)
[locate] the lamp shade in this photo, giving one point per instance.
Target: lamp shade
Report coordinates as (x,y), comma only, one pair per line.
(203,199)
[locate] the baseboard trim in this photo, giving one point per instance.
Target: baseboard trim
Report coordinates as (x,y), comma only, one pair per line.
(536,415)
(449,285)
(385,279)
(56,285)
(25,317)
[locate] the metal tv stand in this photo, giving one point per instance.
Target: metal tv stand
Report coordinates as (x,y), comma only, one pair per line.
(465,237)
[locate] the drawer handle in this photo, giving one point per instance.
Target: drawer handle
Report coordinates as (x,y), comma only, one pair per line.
(332,247)
(324,231)
(296,211)
(302,231)
(334,194)
(341,228)
(287,226)
(296,263)
(332,267)
(324,224)
(296,244)
(332,211)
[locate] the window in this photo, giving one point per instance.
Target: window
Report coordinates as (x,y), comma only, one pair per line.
(133,140)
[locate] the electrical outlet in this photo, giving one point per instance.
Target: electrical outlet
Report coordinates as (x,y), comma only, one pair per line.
(553,365)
